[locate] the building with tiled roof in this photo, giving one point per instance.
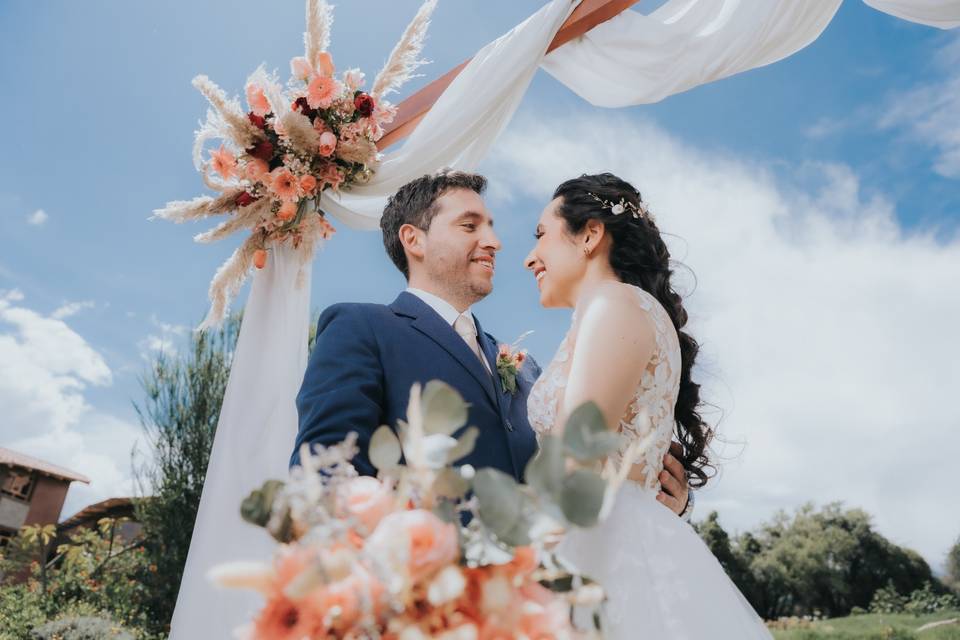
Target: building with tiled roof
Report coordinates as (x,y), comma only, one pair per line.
(32,491)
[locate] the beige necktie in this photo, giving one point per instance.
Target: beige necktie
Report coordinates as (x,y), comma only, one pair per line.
(468,331)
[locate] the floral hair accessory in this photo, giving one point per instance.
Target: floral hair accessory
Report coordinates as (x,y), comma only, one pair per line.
(619,208)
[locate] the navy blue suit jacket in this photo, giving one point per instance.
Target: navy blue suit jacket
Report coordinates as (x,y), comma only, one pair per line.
(366,358)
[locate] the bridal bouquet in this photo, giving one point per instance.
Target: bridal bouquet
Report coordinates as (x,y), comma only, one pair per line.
(426,549)
(290,145)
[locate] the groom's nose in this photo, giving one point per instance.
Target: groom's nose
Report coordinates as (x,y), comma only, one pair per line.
(489,240)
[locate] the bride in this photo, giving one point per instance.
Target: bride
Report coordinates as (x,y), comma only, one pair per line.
(599,251)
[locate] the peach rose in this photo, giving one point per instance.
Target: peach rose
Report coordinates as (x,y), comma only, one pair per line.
(429,543)
(260,258)
(367,500)
(256,170)
(308,183)
(328,143)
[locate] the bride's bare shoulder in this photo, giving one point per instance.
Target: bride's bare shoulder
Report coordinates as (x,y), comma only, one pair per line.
(617,308)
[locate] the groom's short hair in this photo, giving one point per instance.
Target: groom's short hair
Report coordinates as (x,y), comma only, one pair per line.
(416,203)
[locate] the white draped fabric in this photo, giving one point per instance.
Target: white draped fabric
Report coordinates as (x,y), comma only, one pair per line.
(254,439)
(631,59)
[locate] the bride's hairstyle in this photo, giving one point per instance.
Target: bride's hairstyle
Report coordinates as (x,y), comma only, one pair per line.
(639,257)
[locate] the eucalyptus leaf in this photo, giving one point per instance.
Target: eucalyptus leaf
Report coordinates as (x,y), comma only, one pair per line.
(384,449)
(582,497)
(500,502)
(444,410)
(545,471)
(448,483)
(257,507)
(586,436)
(465,444)
(446,511)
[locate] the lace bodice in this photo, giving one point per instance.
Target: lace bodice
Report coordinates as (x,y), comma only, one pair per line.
(648,416)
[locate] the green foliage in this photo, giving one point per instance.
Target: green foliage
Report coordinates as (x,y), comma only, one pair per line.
(815,562)
(952,579)
(184,393)
(872,627)
(80,628)
(887,599)
(90,575)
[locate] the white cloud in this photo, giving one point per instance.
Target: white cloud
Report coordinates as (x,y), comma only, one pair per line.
(929,111)
(71,308)
(46,369)
(38,217)
(827,332)
(165,342)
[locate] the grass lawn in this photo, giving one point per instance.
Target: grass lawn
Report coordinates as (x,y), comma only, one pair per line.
(875,627)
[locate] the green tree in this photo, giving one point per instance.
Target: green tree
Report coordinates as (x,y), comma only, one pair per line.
(953,567)
(812,562)
(183,397)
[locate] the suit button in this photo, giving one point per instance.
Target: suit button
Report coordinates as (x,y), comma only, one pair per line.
(509,425)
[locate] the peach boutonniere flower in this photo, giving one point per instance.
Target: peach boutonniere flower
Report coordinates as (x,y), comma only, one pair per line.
(510,360)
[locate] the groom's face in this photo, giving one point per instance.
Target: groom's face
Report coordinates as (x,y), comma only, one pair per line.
(460,246)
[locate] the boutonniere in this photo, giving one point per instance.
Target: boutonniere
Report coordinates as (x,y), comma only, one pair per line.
(510,360)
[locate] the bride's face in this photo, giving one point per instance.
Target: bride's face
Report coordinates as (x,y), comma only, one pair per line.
(557,260)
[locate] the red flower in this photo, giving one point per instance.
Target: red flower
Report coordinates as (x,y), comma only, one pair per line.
(258,121)
(364,104)
(244,199)
(263,150)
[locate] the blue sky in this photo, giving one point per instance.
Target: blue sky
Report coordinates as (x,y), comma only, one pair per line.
(841,154)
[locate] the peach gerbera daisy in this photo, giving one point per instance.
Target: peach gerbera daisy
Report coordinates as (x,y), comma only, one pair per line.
(224,162)
(284,184)
(321,91)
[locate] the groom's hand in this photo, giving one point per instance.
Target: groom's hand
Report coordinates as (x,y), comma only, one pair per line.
(674,491)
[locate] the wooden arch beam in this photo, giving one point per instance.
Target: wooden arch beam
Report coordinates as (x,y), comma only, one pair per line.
(589,14)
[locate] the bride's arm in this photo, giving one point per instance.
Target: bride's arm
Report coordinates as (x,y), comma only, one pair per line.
(615,340)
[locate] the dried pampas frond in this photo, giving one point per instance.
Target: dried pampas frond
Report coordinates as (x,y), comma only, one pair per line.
(241,130)
(298,129)
(227,282)
(183,210)
(403,59)
(227,201)
(245,218)
(317,36)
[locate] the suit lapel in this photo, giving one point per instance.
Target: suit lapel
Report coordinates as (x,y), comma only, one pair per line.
(490,350)
(429,323)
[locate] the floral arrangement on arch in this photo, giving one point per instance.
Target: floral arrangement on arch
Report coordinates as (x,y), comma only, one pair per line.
(292,143)
(428,549)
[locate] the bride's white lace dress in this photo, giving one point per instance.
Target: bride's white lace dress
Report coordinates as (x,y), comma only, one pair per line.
(661,579)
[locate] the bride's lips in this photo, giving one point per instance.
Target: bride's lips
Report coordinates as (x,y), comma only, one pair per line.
(487,262)
(539,273)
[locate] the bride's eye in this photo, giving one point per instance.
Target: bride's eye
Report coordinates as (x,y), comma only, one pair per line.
(538,234)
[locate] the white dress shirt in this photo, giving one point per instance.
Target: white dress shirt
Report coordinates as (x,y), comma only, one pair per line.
(450,315)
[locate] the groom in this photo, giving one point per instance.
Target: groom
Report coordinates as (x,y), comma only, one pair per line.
(439,233)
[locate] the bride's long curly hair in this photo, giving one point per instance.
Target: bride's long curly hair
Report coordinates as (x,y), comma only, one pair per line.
(639,257)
